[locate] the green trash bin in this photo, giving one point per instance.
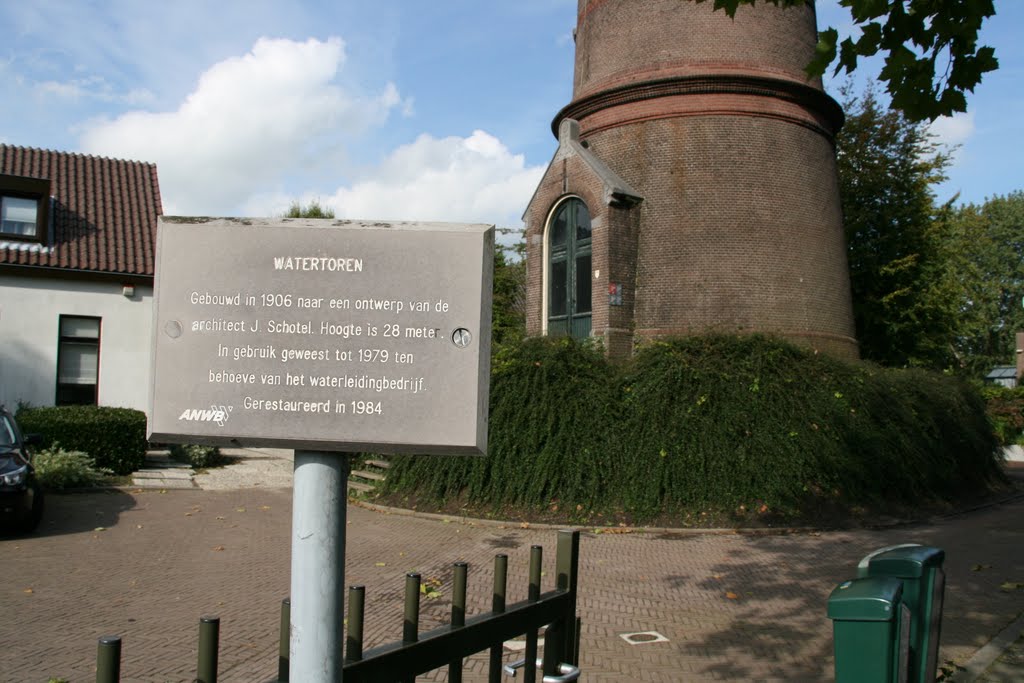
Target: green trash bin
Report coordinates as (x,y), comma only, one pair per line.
(862,566)
(871,629)
(924,583)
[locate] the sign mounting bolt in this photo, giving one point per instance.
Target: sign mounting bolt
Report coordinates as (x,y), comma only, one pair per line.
(461,337)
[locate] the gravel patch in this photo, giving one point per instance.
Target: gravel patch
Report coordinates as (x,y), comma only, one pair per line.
(252,468)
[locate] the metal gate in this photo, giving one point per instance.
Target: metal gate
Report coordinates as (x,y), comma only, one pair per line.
(418,653)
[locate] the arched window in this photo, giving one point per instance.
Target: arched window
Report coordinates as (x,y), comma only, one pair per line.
(568,290)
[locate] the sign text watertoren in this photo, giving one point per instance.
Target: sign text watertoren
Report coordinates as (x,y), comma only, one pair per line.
(322,334)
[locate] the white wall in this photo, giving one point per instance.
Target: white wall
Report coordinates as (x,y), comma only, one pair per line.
(30,309)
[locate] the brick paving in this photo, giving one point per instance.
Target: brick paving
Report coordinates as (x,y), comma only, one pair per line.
(147,565)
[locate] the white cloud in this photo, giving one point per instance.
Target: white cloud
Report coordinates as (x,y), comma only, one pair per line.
(953,130)
(953,133)
(92,87)
(249,122)
(474,179)
(257,126)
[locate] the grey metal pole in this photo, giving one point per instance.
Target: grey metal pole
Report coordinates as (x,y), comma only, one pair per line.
(319,496)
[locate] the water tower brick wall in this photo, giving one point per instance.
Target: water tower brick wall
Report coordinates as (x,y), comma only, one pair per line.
(623,41)
(729,150)
(739,233)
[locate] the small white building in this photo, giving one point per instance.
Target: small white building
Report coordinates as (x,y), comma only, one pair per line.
(1004,375)
(77,243)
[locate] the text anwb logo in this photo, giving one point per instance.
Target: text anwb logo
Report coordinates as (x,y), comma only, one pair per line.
(216,414)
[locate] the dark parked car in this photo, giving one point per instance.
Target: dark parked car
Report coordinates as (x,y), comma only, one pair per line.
(21,496)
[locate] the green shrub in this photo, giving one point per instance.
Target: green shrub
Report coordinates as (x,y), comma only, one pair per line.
(715,422)
(197,456)
(58,469)
(731,420)
(536,452)
(115,438)
(1006,410)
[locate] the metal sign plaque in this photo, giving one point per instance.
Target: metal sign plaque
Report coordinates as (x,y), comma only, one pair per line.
(322,335)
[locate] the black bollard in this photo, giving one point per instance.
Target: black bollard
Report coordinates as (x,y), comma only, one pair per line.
(108,660)
(209,643)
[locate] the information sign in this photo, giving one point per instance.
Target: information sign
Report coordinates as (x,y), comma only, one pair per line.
(322,335)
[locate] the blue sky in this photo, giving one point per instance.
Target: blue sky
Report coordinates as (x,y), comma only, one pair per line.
(392,109)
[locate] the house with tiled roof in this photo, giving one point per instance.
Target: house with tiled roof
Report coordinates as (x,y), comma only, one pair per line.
(77,243)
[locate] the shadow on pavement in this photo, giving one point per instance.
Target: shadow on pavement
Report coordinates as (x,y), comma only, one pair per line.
(73,513)
(777,589)
(779,606)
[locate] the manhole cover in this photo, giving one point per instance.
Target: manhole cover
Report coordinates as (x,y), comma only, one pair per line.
(643,637)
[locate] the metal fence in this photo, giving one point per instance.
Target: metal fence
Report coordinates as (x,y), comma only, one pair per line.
(447,646)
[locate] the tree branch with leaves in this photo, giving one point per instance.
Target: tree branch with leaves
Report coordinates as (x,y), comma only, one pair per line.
(930,49)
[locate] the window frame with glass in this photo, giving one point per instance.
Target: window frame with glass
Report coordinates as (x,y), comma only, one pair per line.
(569,264)
(78,360)
(24,208)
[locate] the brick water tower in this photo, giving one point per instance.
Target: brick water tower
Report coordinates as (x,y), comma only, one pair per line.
(694,188)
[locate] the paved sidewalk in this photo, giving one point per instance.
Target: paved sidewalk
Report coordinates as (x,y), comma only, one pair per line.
(1008,668)
(159,471)
(146,565)
(249,468)
(1000,661)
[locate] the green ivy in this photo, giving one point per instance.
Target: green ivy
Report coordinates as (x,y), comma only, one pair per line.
(712,421)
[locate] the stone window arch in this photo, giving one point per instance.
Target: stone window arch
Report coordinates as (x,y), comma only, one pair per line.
(568,295)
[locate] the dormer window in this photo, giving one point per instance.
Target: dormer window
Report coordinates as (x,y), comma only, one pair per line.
(19,216)
(23,208)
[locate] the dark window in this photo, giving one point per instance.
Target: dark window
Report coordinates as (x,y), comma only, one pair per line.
(559,287)
(78,360)
(569,268)
(558,231)
(24,204)
(583,225)
(583,283)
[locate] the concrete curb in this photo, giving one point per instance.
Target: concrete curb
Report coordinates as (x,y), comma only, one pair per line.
(987,655)
(768,531)
(586,528)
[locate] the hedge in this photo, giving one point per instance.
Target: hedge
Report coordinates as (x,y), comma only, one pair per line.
(718,421)
(115,438)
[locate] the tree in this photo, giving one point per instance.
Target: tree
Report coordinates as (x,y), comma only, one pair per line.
(931,49)
(906,295)
(508,321)
(314,210)
(991,238)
